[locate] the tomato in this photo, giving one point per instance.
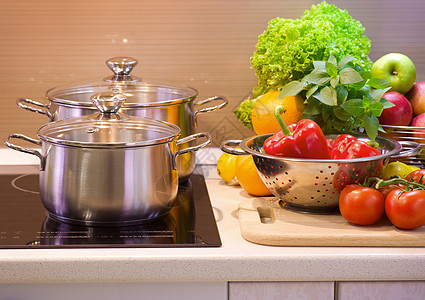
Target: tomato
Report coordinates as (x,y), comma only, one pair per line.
(361,205)
(389,188)
(417,176)
(406,210)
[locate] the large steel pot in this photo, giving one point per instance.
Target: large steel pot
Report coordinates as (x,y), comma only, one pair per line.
(108,168)
(173,103)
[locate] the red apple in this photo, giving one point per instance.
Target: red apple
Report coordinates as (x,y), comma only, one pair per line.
(416,96)
(419,121)
(400,114)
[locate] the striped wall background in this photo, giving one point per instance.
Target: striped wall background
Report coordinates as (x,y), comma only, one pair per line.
(204,44)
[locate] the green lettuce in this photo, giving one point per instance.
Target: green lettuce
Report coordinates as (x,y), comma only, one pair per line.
(287,48)
(243,112)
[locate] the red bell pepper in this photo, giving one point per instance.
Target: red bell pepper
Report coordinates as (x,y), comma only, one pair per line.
(347,146)
(302,140)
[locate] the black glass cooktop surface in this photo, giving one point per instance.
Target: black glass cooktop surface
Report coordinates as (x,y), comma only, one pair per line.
(24,222)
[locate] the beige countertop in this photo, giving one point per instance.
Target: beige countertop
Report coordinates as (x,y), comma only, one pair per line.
(236,260)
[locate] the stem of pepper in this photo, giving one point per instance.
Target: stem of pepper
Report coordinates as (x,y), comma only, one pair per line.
(285,130)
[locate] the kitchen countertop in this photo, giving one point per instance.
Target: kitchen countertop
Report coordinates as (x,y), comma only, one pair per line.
(236,260)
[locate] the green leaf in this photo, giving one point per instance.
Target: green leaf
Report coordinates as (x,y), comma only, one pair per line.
(377,94)
(366,103)
(332,60)
(376,108)
(327,96)
(319,65)
(317,77)
(358,85)
(338,124)
(291,89)
(312,108)
(386,103)
(341,94)
(364,91)
(345,60)
(354,107)
(341,114)
(311,91)
(331,69)
(334,81)
(371,125)
(365,74)
(349,75)
(378,83)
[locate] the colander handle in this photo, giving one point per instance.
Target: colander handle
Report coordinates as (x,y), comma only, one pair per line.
(413,149)
(232,147)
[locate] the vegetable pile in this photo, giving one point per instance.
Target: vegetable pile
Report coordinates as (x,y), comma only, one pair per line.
(287,48)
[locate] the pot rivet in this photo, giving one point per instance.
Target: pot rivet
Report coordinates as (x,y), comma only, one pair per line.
(91,130)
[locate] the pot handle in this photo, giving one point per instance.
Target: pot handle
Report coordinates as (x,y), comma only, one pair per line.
(191,138)
(212,108)
(232,147)
(25,150)
(23,103)
(412,149)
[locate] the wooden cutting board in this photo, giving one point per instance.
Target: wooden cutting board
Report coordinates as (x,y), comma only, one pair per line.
(264,221)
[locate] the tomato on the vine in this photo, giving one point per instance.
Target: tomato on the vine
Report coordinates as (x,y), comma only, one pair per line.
(417,176)
(385,190)
(406,210)
(361,205)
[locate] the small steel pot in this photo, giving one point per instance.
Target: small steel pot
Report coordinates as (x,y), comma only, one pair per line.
(172,103)
(108,168)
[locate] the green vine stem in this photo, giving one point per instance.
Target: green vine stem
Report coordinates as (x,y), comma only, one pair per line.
(409,185)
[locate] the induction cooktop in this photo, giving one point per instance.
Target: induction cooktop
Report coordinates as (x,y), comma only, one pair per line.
(24,222)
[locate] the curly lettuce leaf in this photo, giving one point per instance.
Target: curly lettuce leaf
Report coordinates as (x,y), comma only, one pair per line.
(287,48)
(244,111)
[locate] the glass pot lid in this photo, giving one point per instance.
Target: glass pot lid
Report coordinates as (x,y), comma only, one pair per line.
(108,128)
(138,91)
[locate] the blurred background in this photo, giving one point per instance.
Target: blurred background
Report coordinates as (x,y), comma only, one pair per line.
(204,44)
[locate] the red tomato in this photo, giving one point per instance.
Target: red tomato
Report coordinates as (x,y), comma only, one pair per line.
(389,188)
(361,205)
(417,176)
(406,210)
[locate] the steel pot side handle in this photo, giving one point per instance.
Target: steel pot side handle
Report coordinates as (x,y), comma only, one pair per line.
(39,108)
(412,149)
(232,147)
(193,137)
(212,108)
(26,150)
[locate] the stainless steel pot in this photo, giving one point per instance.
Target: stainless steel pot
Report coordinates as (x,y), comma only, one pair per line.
(173,103)
(108,168)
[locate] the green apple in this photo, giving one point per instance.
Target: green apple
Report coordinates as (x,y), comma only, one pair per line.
(396,68)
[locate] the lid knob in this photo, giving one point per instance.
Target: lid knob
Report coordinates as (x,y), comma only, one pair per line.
(121,66)
(108,103)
